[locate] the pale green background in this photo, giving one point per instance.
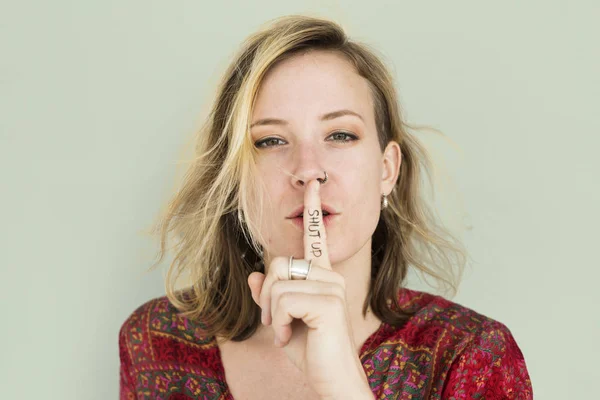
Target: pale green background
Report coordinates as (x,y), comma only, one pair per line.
(98,98)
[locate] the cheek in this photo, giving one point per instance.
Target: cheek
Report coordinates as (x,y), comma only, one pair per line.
(364,214)
(362,209)
(270,216)
(357,228)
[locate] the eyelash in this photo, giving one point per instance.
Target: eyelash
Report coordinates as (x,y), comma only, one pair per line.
(352,137)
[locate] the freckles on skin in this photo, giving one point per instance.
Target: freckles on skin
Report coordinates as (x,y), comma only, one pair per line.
(298,91)
(272,224)
(301,88)
(353,189)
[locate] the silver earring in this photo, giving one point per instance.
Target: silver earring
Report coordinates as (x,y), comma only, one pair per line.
(384,201)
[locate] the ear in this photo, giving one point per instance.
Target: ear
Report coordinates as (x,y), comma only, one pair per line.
(392,158)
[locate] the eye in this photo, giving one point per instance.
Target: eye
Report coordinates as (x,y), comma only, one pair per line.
(341,135)
(264,143)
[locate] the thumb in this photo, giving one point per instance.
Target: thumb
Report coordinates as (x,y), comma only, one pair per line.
(255,281)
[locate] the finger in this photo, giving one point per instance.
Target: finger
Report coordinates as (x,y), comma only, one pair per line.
(312,309)
(281,288)
(255,282)
(315,238)
(278,271)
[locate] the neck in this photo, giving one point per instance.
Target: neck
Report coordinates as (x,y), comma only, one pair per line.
(356,271)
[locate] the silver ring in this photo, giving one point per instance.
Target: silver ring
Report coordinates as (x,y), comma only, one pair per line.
(299,269)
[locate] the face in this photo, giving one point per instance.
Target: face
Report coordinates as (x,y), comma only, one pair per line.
(314,113)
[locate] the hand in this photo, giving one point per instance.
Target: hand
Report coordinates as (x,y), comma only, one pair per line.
(309,317)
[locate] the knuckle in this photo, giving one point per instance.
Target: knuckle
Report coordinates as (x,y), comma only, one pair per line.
(277,289)
(279,267)
(334,302)
(279,260)
(339,291)
(276,263)
(285,299)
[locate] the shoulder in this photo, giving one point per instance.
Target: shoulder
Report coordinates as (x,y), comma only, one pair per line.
(455,350)
(157,321)
(438,319)
(156,332)
(157,340)
(436,313)
(161,317)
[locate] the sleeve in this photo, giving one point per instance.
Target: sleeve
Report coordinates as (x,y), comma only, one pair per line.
(491,367)
(126,385)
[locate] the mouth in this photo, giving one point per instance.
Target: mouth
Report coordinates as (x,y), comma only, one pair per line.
(325,213)
(330,214)
(328,220)
(299,211)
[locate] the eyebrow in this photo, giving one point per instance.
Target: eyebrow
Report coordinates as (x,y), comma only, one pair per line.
(324,117)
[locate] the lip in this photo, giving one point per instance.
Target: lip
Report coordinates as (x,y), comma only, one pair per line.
(327,221)
(300,210)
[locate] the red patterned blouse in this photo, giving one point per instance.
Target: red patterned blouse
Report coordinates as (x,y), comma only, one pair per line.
(445,351)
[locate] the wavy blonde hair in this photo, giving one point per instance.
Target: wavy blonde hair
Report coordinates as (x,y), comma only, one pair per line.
(217,240)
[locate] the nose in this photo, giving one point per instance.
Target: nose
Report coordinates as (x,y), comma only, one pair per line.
(308,158)
(321,176)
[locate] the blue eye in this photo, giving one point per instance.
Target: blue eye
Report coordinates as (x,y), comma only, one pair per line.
(339,136)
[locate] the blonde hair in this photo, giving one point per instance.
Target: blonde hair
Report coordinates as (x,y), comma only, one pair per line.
(212,214)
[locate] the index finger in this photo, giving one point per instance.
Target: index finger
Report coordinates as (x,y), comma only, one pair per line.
(315,237)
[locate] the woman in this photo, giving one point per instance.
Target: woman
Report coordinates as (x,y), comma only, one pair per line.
(296,224)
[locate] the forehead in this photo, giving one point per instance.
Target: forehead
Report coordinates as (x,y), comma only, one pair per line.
(310,84)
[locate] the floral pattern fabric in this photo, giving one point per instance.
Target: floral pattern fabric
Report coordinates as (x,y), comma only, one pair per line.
(445,351)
